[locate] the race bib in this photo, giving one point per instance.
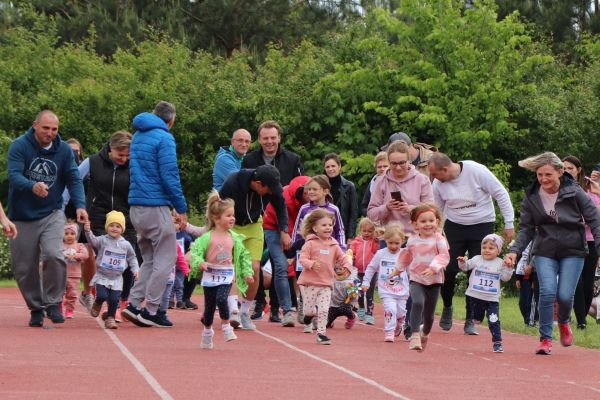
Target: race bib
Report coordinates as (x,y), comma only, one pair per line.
(486,282)
(114,260)
(299,266)
(386,268)
(217,275)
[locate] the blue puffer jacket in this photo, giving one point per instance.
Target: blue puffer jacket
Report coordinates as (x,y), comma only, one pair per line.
(154,175)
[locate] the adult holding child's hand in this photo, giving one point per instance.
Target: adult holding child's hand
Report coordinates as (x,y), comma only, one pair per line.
(554,210)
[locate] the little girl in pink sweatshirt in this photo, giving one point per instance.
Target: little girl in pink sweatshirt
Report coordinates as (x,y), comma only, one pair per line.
(318,256)
(75,253)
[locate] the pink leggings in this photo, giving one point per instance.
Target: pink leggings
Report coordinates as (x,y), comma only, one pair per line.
(319,297)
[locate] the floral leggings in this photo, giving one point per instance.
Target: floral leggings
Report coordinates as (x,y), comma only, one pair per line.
(318,297)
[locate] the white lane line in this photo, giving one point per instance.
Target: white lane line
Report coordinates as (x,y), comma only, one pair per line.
(162,393)
(334,365)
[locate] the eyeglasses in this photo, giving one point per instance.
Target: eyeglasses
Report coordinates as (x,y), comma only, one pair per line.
(398,163)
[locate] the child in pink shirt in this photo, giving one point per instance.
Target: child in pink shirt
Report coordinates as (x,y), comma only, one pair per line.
(425,257)
(318,256)
(75,253)
(364,247)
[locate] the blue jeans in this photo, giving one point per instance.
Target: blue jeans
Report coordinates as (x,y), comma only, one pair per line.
(280,269)
(166,297)
(548,269)
(178,285)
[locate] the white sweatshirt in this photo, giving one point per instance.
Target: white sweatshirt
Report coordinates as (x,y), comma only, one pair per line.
(385,263)
(467,200)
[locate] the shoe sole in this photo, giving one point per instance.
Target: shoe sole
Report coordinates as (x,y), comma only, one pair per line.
(543,353)
(131,317)
(326,343)
(147,322)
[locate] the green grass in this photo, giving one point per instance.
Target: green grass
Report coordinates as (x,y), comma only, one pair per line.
(8,283)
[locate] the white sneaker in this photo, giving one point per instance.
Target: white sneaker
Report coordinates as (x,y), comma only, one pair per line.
(207,339)
(247,323)
(234,319)
(308,328)
(229,335)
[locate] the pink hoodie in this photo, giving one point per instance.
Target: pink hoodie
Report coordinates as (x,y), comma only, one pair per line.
(329,253)
(415,188)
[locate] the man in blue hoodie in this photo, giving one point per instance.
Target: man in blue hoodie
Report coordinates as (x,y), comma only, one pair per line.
(154,188)
(229,159)
(40,166)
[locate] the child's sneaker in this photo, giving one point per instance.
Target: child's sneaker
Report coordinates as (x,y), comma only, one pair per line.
(207,339)
(246,322)
(361,314)
(180,305)
(86,300)
(369,320)
(110,323)
(350,323)
(389,337)
(95,310)
(398,329)
(322,339)
(234,319)
(497,348)
(228,334)
(69,314)
(415,342)
(308,328)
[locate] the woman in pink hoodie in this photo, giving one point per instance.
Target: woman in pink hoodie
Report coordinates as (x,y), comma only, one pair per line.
(400,190)
(318,256)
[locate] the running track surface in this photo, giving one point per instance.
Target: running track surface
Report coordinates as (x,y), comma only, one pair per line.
(82,360)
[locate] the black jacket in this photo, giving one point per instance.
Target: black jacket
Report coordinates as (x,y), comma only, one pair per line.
(108,189)
(348,205)
(249,206)
(287,163)
(563,236)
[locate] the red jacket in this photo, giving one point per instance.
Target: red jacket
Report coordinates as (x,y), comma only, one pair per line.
(292,203)
(363,251)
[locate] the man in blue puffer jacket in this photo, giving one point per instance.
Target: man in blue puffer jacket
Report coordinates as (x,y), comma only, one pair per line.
(154,188)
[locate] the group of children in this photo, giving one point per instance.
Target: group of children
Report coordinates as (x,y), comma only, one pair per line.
(332,279)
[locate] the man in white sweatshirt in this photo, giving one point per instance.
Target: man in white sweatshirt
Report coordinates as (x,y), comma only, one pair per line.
(463,191)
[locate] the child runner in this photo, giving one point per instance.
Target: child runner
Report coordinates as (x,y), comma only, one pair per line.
(484,285)
(221,254)
(318,192)
(318,256)
(343,297)
(114,254)
(425,258)
(393,288)
(364,247)
(75,253)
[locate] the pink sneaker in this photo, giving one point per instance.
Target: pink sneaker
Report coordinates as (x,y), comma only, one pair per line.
(350,323)
(545,347)
(69,314)
(566,336)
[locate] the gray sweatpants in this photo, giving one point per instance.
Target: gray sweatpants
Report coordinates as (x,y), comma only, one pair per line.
(424,299)
(156,239)
(40,240)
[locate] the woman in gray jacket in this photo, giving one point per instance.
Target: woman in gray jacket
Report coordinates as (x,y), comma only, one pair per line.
(554,210)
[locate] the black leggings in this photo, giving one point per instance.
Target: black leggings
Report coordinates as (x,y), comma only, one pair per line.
(585,287)
(213,297)
(343,310)
(461,238)
(369,295)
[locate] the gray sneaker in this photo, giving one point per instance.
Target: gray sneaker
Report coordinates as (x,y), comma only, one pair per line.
(234,320)
(308,328)
(207,339)
(470,328)
(288,319)
(247,323)
(446,319)
(87,300)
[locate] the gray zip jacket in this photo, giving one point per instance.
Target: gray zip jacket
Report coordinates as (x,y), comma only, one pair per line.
(561,236)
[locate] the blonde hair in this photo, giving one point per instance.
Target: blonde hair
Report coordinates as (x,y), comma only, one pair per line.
(311,219)
(393,229)
(215,207)
(381,156)
(423,208)
(364,221)
(548,158)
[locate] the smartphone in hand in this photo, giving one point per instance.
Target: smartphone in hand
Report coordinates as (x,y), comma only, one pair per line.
(396,195)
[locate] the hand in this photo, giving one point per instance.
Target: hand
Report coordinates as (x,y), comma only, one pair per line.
(8,228)
(510,259)
(250,279)
(82,215)
(204,266)
(393,205)
(461,259)
(316,266)
(364,288)
(40,189)
(135,276)
(428,272)
(518,284)
(349,243)
(594,185)
(405,207)
(183,219)
(509,234)
(285,240)
(87,226)
(527,270)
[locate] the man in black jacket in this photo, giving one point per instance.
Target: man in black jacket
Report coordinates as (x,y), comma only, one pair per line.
(270,152)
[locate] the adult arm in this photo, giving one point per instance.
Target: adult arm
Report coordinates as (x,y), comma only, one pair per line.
(281,211)
(169,173)
(224,166)
(377,210)
(590,215)
(525,233)
(494,187)
(16,168)
(8,227)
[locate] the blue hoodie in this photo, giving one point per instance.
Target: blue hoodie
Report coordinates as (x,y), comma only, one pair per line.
(28,163)
(154,175)
(226,162)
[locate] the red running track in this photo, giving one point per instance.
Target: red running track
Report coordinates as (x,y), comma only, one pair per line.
(81,360)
